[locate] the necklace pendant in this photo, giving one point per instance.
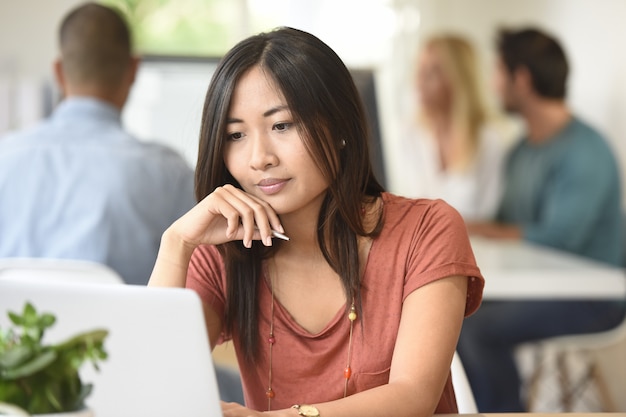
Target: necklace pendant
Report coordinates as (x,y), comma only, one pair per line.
(352,314)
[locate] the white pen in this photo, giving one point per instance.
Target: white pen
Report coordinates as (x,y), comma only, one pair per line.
(279,235)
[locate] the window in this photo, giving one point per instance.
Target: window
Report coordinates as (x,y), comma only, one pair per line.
(208,28)
(183,27)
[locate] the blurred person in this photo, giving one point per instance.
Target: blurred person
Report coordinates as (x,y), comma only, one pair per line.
(562,190)
(455,149)
(78,185)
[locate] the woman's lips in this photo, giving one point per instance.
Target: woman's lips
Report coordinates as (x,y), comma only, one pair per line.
(272,185)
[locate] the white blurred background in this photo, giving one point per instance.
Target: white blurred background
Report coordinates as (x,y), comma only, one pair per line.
(380,35)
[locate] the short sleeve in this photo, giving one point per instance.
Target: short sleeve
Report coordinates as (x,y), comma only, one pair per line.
(440,248)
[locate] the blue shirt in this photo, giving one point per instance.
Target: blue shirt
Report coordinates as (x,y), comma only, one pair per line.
(566,193)
(78,186)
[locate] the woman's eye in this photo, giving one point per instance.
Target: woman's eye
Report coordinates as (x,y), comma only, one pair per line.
(234,136)
(282,126)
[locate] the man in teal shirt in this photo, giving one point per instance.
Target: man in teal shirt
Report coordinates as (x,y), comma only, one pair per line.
(562,189)
(562,183)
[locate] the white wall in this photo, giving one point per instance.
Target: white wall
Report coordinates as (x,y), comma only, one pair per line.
(28,42)
(28,31)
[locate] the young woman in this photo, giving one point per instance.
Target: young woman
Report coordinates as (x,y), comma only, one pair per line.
(455,147)
(359,312)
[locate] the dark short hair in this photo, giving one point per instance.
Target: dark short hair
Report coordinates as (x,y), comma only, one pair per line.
(541,54)
(95,44)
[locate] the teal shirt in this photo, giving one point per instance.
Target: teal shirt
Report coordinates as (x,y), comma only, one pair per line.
(566,193)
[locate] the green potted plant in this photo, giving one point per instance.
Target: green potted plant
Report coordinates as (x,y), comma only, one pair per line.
(43,378)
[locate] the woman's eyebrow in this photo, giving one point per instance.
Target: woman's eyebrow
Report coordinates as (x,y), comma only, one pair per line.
(268,113)
(275,110)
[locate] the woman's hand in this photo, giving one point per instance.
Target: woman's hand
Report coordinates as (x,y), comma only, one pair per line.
(237,410)
(227,214)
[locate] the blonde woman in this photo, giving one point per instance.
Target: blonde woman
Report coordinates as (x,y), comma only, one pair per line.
(455,152)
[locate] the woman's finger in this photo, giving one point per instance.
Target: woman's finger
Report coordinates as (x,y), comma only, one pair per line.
(237,410)
(257,218)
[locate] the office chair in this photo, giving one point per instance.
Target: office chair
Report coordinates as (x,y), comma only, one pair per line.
(58,270)
(582,346)
(462,389)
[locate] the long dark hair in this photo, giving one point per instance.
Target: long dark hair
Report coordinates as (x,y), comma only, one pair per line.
(328,111)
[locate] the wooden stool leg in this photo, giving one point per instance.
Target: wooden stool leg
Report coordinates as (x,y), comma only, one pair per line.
(564,379)
(534,379)
(608,405)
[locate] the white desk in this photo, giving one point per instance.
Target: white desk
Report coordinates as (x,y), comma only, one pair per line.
(594,414)
(517,270)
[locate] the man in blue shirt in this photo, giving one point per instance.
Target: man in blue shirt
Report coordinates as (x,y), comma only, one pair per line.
(78,185)
(562,189)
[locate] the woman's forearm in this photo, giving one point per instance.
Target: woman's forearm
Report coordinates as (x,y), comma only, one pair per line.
(398,399)
(170,268)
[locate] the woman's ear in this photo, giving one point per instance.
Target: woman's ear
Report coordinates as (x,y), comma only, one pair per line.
(523,80)
(59,76)
(134,67)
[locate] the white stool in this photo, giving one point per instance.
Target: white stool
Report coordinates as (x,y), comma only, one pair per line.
(583,346)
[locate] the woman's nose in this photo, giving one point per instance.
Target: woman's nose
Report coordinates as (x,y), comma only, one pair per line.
(262,155)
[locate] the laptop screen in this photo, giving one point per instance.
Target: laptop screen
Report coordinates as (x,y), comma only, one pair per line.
(159,362)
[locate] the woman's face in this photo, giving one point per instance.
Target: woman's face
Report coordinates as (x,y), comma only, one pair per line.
(264,151)
(433,87)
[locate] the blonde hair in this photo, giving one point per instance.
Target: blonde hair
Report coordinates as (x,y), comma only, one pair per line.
(469,112)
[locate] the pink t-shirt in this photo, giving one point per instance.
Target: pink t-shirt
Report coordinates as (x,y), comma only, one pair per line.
(421,241)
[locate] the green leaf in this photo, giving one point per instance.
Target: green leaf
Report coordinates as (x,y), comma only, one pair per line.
(16,319)
(29,368)
(15,356)
(12,393)
(54,401)
(46,320)
(38,403)
(85,392)
(29,314)
(92,336)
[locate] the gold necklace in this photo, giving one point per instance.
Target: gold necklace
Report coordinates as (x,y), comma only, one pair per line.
(347,372)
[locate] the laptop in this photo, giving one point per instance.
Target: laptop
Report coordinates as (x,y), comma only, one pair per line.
(159,362)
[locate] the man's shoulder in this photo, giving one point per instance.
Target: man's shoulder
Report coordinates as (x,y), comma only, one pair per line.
(583,129)
(586,139)
(24,136)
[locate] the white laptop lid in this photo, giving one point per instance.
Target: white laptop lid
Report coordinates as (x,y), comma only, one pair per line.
(159,362)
